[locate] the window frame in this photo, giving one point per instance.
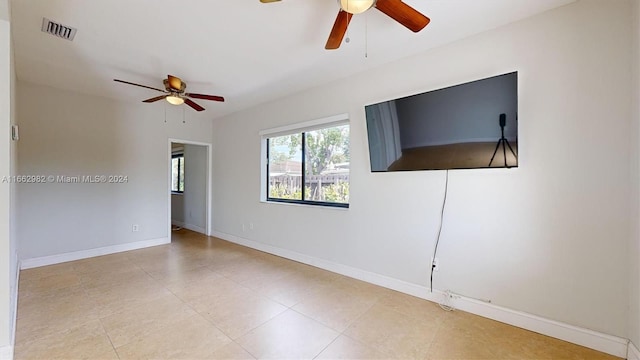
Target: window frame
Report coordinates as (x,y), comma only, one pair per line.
(176,156)
(300,128)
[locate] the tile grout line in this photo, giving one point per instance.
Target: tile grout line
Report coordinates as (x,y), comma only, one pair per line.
(246,350)
(256,293)
(234,341)
(435,334)
(109,337)
(184,302)
(358,319)
(100,318)
(325,348)
(212,323)
(104,330)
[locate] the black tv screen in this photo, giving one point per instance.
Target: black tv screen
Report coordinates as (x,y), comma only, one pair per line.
(468,126)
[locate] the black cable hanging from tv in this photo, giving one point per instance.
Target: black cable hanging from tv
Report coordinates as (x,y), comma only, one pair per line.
(435,250)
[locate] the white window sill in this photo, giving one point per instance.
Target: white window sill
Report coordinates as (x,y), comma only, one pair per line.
(313,206)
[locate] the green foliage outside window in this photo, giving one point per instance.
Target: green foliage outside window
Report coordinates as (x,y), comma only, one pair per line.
(326,173)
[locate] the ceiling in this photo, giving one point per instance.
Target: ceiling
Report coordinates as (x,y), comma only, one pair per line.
(244,50)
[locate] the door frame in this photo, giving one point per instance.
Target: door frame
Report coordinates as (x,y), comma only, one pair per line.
(209,183)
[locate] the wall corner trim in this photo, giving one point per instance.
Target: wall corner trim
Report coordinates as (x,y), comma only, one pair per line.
(14,320)
(633,353)
(609,344)
(85,254)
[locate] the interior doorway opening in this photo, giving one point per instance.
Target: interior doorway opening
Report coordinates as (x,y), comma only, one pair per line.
(189,186)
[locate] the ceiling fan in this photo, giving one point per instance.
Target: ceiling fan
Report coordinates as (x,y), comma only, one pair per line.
(395,9)
(174,93)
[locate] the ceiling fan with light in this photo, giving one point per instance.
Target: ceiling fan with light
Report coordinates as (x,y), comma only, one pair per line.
(175,93)
(395,9)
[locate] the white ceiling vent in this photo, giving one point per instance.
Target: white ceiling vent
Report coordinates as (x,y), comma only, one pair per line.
(59,30)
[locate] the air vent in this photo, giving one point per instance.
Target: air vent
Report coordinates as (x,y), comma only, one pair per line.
(59,30)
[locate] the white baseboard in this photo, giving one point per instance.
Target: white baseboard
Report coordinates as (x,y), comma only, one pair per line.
(592,339)
(633,353)
(177,223)
(14,297)
(6,353)
(85,254)
(195,228)
(606,343)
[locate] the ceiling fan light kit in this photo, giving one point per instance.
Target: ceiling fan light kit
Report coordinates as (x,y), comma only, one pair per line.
(174,100)
(356,6)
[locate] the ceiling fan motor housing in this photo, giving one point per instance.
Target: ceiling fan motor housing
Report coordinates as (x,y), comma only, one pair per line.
(167,86)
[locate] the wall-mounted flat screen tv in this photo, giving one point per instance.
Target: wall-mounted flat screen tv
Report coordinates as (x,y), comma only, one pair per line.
(468,126)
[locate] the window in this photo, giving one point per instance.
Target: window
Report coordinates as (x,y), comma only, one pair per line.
(309,166)
(177,173)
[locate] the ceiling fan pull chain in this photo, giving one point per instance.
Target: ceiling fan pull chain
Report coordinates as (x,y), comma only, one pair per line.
(165,113)
(347,39)
(183,116)
(366,36)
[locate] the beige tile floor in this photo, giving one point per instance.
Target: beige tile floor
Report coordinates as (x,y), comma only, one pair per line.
(204,298)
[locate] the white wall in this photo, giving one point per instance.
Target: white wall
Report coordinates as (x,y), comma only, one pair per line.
(634,245)
(13,217)
(548,238)
(64,133)
(5,188)
(4,10)
(177,209)
(195,187)
(466,113)
(8,162)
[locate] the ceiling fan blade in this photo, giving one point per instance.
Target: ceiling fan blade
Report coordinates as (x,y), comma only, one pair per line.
(195,106)
(144,86)
(205,97)
(338,30)
(268,1)
(404,14)
(155,99)
(175,82)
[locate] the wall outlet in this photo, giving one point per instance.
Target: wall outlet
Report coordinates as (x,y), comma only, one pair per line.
(244,228)
(135,228)
(250,226)
(435,263)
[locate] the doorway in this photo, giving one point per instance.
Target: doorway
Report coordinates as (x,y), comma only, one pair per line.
(189,186)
